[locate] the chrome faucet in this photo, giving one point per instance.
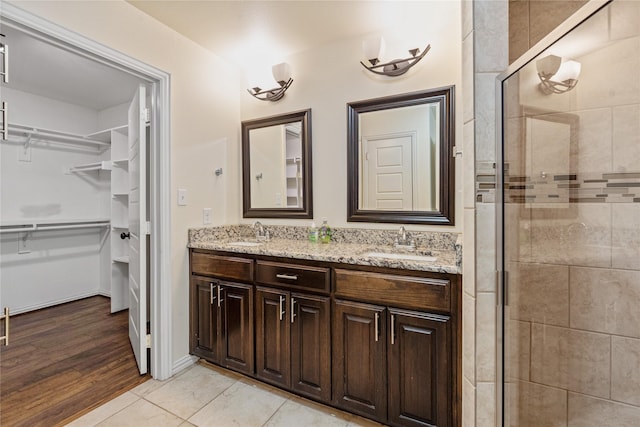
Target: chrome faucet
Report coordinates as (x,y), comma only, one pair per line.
(261,233)
(404,240)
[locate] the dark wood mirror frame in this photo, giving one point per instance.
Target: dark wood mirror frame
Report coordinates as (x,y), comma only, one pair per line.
(444,97)
(306,211)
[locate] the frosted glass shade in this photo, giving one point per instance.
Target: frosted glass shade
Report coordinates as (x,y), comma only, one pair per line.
(373,47)
(281,72)
(558,70)
(569,70)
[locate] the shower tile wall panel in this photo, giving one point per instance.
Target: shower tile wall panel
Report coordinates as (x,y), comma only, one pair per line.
(537,405)
(575,238)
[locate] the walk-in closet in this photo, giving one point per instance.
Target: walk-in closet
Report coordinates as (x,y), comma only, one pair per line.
(72,177)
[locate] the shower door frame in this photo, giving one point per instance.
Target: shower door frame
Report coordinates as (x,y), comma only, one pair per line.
(583,14)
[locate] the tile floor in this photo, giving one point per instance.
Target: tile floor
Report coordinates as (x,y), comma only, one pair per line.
(205,395)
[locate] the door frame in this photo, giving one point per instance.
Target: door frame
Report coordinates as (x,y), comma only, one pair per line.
(159,173)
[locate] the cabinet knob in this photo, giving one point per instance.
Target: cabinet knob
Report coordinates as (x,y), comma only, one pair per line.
(293,309)
(211,292)
(376,319)
(393,329)
(219,295)
(124,235)
(281,307)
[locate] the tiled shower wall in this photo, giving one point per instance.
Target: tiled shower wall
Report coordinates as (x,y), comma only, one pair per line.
(484,50)
(486,53)
(531,20)
(574,238)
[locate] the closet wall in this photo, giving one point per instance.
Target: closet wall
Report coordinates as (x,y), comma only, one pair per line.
(42,268)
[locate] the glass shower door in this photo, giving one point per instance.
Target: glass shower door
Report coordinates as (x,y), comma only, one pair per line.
(571,229)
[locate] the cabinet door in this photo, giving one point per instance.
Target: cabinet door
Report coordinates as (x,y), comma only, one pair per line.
(272,336)
(236,311)
(359,359)
(310,346)
(419,369)
(204,319)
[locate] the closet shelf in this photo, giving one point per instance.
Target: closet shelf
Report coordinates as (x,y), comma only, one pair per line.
(30,132)
(45,225)
(97,166)
(123,259)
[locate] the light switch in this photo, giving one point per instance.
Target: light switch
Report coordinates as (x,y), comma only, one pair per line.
(206,216)
(182,197)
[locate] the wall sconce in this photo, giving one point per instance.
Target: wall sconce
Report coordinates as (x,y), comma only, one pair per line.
(282,74)
(557,75)
(374,48)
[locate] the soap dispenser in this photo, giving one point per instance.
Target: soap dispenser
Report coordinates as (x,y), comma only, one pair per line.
(313,233)
(325,232)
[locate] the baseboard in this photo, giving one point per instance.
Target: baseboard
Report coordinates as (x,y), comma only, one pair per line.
(183,363)
(46,304)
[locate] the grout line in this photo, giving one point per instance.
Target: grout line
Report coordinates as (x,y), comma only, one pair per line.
(276,411)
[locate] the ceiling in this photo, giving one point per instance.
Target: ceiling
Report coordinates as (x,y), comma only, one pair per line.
(39,67)
(242,30)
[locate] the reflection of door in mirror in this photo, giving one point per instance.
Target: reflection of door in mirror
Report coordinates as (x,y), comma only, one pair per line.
(549,154)
(293,164)
(398,152)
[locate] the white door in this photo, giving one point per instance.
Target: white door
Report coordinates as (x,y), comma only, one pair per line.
(388,173)
(138,230)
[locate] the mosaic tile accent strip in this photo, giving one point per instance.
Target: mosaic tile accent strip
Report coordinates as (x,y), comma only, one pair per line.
(623,187)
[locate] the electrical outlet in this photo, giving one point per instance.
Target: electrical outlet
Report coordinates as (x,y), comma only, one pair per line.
(206,216)
(278,199)
(182,197)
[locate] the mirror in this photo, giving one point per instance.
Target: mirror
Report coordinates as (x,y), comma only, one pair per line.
(549,158)
(401,166)
(276,166)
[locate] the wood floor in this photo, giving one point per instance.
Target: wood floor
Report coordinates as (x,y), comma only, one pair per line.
(63,361)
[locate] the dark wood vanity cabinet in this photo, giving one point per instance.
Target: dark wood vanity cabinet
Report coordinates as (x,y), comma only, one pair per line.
(359,358)
(222,323)
(203,340)
(377,342)
(221,311)
(293,341)
(293,346)
(392,364)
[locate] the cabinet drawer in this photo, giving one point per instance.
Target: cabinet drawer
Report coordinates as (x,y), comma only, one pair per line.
(293,276)
(419,293)
(222,266)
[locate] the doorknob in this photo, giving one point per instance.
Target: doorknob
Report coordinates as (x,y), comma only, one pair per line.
(125,235)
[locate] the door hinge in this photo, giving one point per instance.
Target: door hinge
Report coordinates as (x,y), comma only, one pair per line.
(148,340)
(146,115)
(147,228)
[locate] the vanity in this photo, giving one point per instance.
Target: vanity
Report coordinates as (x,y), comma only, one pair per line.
(359,326)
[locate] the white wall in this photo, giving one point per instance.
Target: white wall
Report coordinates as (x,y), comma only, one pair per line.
(205,121)
(327,78)
(39,188)
(57,266)
(208,102)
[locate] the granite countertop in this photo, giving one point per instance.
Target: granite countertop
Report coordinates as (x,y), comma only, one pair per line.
(357,251)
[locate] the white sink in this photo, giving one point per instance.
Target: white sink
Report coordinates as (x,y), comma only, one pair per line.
(407,257)
(245,243)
